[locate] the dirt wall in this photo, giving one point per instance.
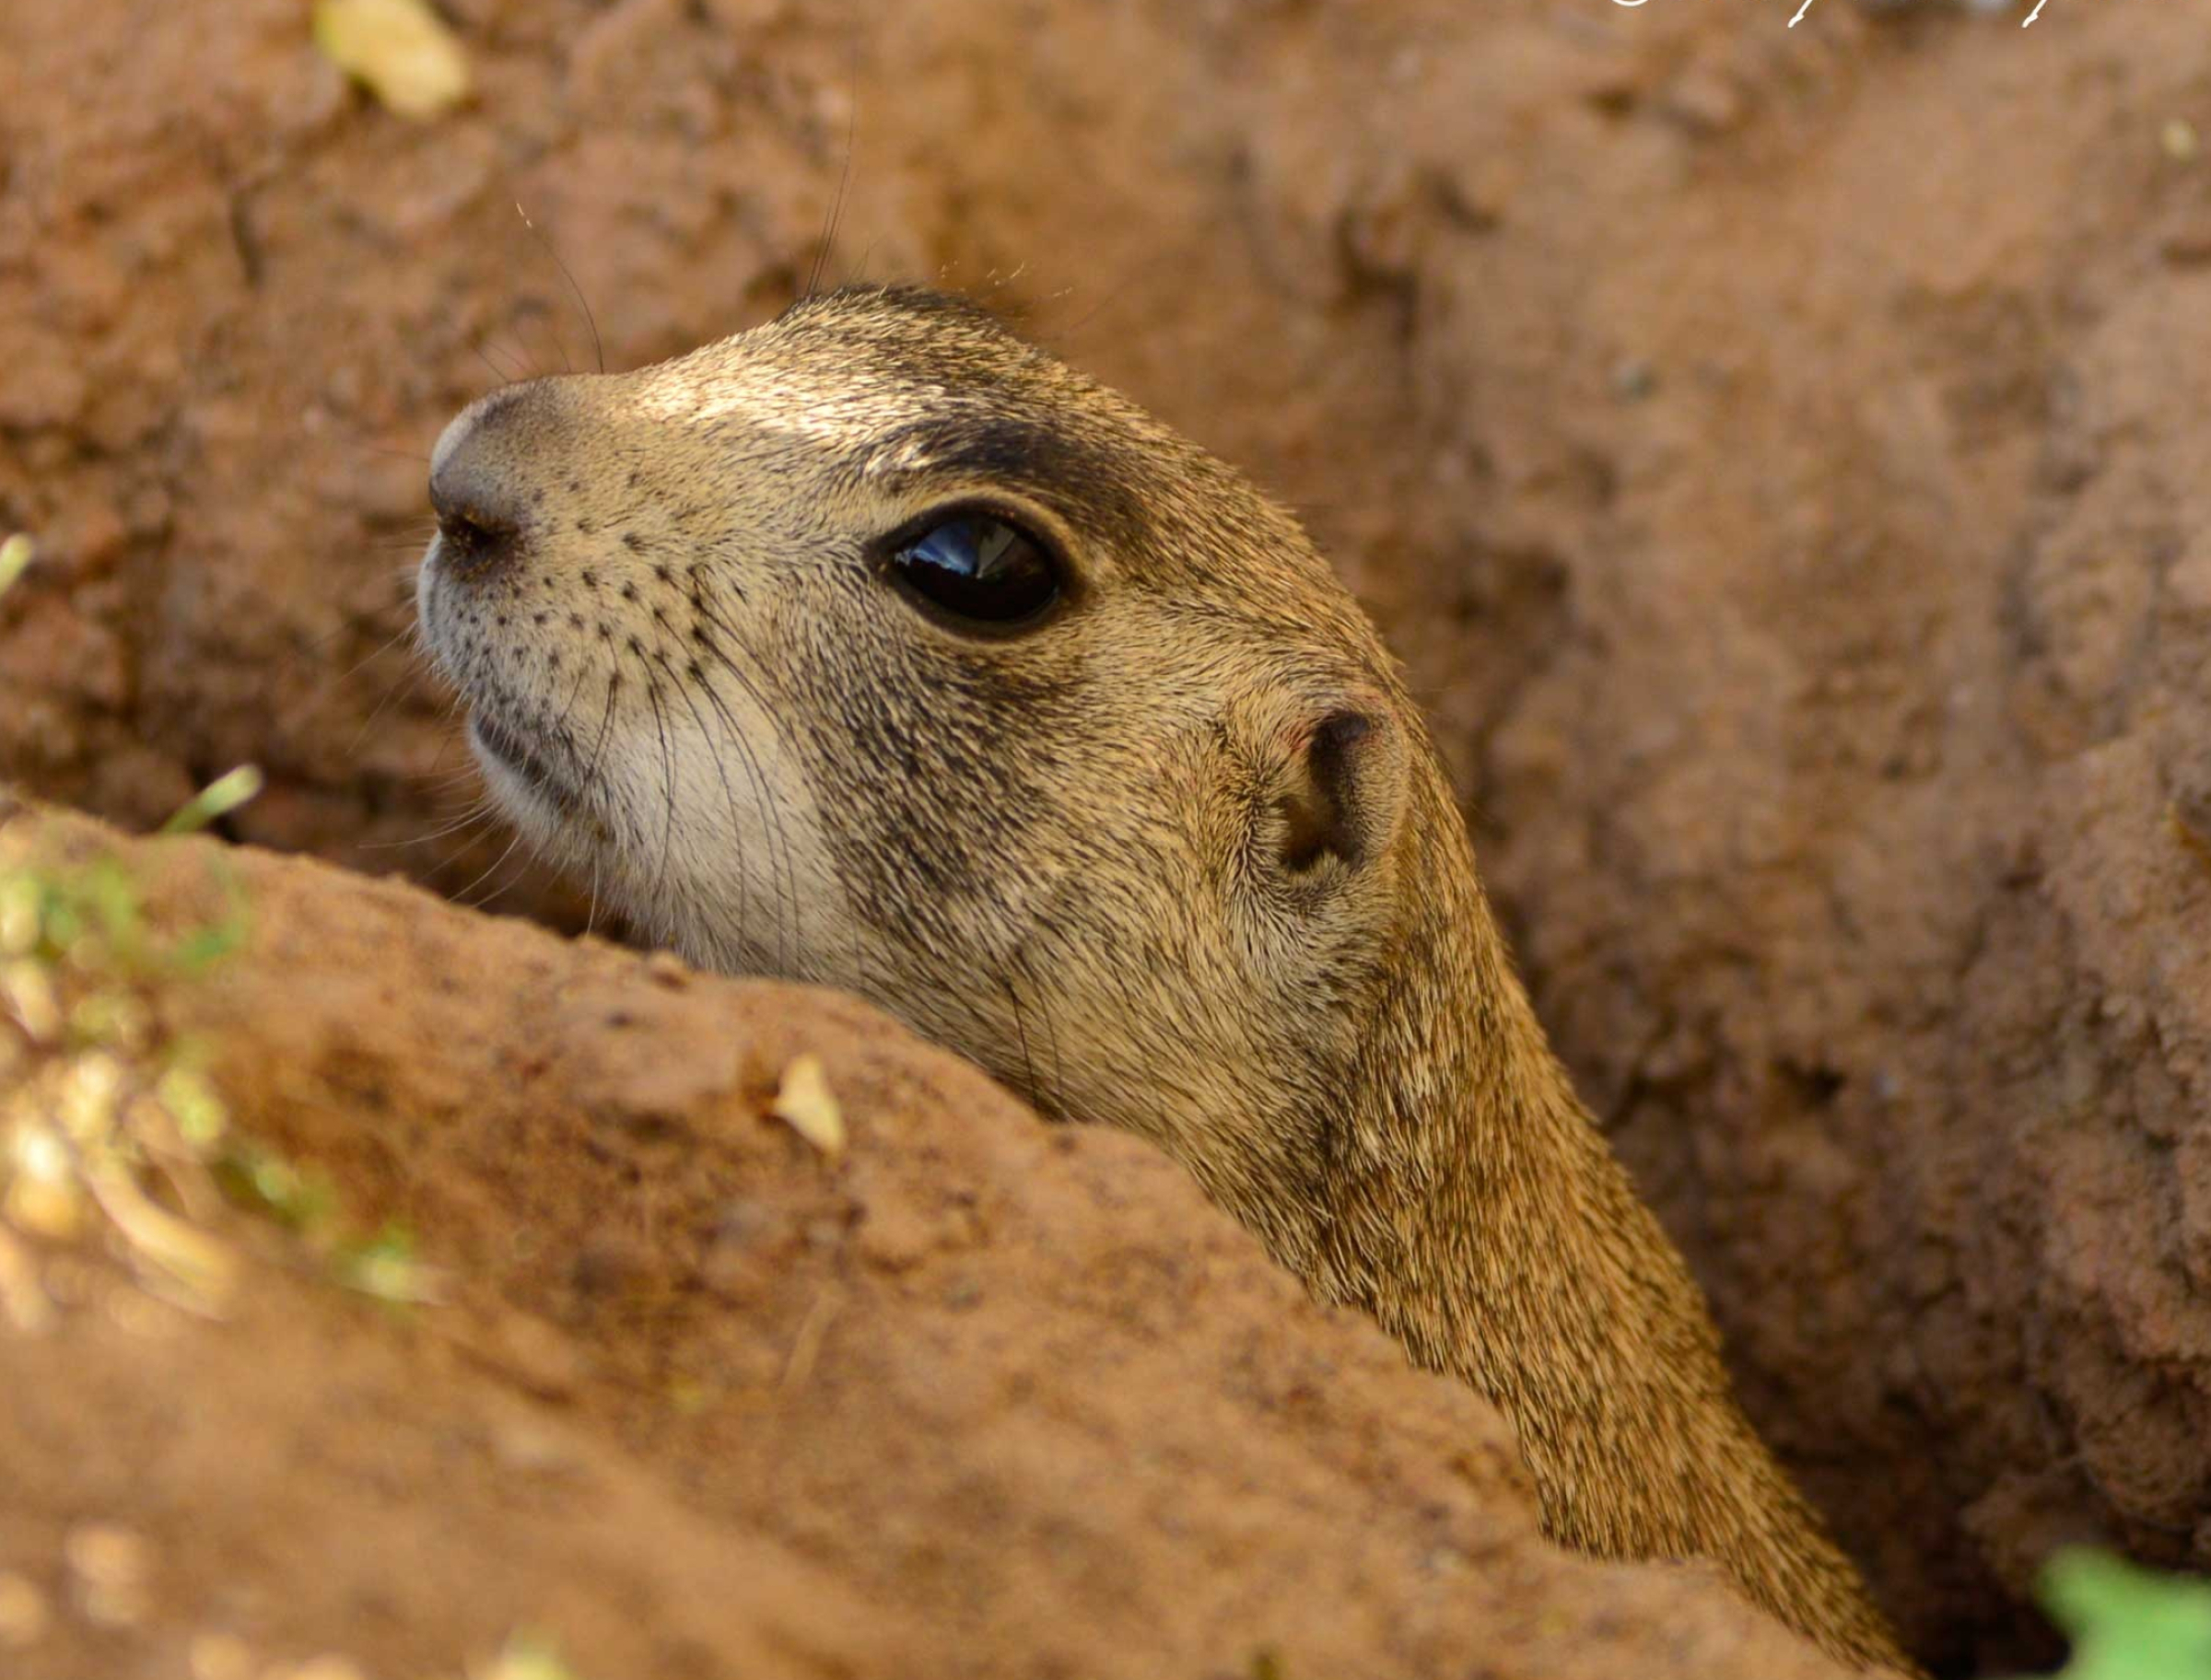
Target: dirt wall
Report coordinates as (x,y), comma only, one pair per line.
(968,1396)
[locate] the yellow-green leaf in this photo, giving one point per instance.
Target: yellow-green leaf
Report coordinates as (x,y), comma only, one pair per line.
(15,559)
(400,49)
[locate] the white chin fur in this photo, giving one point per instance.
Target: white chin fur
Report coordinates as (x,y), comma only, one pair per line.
(734,880)
(542,825)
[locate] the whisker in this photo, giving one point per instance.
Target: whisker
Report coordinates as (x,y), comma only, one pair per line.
(371,658)
(1021,1034)
(780,837)
(521,869)
(484,356)
(478,810)
(590,919)
(729,794)
(409,680)
(659,724)
(598,350)
(844,179)
(461,897)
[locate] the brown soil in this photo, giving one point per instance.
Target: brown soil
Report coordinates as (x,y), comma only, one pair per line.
(978,1398)
(1777,454)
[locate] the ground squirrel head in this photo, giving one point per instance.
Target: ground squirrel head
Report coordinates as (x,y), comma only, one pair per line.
(875,646)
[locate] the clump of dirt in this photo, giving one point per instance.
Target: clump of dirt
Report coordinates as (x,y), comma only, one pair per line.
(968,1396)
(1774,451)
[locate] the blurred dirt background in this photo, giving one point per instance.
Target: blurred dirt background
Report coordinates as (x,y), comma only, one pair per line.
(1776,454)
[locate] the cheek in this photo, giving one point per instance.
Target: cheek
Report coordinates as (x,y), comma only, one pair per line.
(941,787)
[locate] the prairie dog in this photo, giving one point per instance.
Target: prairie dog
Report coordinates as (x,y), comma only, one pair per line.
(877,647)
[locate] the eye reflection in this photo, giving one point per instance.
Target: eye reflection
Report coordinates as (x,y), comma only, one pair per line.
(980,567)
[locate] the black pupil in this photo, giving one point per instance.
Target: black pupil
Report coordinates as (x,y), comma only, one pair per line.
(980,568)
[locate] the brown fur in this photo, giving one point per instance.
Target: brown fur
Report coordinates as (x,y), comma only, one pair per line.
(1181,859)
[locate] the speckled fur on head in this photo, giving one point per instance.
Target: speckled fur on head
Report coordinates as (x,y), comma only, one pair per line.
(1179,858)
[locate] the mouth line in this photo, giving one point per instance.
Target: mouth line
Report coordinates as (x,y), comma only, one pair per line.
(514,753)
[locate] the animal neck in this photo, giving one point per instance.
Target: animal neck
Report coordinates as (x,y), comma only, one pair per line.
(1478,1213)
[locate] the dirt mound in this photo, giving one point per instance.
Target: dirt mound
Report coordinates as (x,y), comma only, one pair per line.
(1776,452)
(975,1397)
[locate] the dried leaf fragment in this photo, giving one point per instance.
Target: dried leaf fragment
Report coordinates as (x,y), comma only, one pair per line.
(201,1267)
(16,555)
(400,49)
(805,1103)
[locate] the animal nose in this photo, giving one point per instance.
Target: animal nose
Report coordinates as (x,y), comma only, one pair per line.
(475,489)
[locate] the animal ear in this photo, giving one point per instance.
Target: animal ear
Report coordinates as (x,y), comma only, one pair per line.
(1342,789)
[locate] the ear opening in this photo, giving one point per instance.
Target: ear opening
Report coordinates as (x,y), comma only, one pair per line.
(1344,786)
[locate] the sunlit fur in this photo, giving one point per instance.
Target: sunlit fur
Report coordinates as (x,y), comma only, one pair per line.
(1064,853)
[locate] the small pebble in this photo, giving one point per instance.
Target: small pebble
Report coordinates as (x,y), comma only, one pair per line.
(112,1567)
(219,1656)
(528,1450)
(1705,103)
(1634,379)
(537,1355)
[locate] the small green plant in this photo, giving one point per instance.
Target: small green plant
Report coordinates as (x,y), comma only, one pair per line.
(218,799)
(2126,1622)
(526,1656)
(102,1111)
(99,1103)
(383,1267)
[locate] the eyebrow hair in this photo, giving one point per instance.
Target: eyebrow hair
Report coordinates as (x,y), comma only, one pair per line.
(1085,481)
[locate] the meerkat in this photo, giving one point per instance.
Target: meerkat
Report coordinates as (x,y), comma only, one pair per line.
(879,648)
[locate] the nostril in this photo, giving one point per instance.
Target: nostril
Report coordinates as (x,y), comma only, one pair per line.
(474,543)
(479,474)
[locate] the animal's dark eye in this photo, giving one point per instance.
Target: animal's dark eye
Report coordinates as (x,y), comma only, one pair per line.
(979,568)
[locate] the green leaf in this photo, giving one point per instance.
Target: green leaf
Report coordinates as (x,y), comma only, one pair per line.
(218,799)
(2128,1623)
